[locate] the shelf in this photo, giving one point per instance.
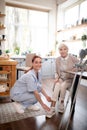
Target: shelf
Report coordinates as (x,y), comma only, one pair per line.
(2,28)
(77,40)
(2,15)
(5,81)
(5,72)
(74,27)
(3,94)
(2,40)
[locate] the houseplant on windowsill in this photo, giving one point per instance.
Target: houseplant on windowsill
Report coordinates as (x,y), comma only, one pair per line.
(17,50)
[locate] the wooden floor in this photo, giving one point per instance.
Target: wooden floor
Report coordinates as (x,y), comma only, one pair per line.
(78,122)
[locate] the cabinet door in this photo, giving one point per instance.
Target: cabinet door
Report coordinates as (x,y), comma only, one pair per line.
(48,68)
(53,62)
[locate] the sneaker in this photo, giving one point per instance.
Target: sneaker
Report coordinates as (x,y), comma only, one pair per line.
(61,108)
(51,112)
(34,108)
(19,108)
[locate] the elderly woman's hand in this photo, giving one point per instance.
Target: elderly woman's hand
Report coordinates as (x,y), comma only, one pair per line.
(55,81)
(74,69)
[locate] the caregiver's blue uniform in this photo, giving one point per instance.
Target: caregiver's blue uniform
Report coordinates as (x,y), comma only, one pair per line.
(24,87)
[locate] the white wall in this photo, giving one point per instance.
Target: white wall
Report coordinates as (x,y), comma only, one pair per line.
(2,6)
(60,1)
(37,3)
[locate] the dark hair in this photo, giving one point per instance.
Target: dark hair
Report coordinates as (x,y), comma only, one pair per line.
(33,59)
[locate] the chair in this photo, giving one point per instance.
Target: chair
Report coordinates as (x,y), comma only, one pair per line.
(28,63)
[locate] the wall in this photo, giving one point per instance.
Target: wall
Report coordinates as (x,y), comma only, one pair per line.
(35,3)
(2,6)
(2,10)
(60,1)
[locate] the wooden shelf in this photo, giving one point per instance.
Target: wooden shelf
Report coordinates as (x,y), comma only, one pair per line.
(4,81)
(2,40)
(2,28)
(3,94)
(74,27)
(77,40)
(5,72)
(8,69)
(2,15)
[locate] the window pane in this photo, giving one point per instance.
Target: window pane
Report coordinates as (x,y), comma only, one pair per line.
(26,29)
(71,16)
(83,10)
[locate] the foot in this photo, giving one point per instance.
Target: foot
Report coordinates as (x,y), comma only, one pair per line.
(61,107)
(34,108)
(19,108)
(51,112)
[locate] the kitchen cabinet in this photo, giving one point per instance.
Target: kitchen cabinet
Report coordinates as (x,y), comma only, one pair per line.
(7,76)
(48,68)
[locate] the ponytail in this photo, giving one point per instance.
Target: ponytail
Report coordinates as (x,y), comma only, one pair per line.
(33,59)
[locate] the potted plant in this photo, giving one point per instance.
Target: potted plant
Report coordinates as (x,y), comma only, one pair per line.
(17,50)
(7,51)
(84,38)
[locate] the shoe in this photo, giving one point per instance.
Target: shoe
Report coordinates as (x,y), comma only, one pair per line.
(34,108)
(61,108)
(19,108)
(51,112)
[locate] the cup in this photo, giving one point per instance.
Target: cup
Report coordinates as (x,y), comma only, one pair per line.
(3,37)
(0,52)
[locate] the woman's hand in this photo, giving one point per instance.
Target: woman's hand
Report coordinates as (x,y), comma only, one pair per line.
(48,98)
(45,107)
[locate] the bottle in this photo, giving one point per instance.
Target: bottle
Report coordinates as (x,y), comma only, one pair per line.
(0,52)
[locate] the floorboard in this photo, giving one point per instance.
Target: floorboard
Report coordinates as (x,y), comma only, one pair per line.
(78,122)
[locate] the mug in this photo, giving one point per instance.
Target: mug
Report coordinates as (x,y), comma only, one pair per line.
(0,52)
(3,37)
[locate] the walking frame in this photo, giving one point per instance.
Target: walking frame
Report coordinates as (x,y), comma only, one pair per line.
(70,94)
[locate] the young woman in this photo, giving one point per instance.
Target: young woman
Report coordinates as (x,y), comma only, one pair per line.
(26,90)
(63,80)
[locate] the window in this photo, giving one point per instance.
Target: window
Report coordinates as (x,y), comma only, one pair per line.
(26,30)
(75,13)
(83,10)
(71,16)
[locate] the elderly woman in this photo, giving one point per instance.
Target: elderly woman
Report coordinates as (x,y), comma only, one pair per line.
(63,81)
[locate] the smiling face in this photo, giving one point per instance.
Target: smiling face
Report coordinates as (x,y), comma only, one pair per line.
(63,50)
(37,63)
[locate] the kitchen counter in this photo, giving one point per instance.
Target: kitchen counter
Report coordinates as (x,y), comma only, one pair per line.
(24,57)
(48,65)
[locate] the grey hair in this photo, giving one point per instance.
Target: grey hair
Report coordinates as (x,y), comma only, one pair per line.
(62,45)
